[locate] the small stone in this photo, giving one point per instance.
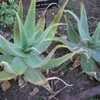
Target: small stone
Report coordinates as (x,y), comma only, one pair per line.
(5,85)
(34,91)
(21,83)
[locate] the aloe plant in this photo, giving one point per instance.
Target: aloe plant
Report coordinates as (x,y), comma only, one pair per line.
(84,43)
(30,39)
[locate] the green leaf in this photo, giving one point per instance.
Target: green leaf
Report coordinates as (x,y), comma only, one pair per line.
(56,20)
(96,36)
(8,48)
(56,62)
(49,32)
(96,55)
(41,24)
(83,24)
(20,38)
(72,34)
(17,66)
(42,45)
(6,58)
(52,28)
(33,61)
(36,37)
(97,32)
(18,31)
(93,44)
(88,65)
(31,19)
(44,61)
(16,34)
(71,29)
(35,76)
(20,10)
(6,76)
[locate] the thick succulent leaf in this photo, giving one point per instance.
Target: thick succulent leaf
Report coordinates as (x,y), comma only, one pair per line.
(8,48)
(88,66)
(52,28)
(6,58)
(20,9)
(72,35)
(35,76)
(36,37)
(83,24)
(70,45)
(97,32)
(33,61)
(20,38)
(6,76)
(73,15)
(96,55)
(16,34)
(43,46)
(56,62)
(17,27)
(41,24)
(56,19)
(93,44)
(31,19)
(41,40)
(49,56)
(96,37)
(17,66)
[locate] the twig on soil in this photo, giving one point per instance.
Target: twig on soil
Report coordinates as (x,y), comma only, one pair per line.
(57,78)
(56,93)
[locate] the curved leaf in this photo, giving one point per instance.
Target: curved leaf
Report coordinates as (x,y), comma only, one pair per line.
(17,66)
(8,48)
(57,19)
(31,19)
(20,10)
(33,61)
(96,36)
(20,38)
(89,66)
(83,24)
(96,55)
(35,76)
(41,39)
(56,62)
(6,58)
(6,76)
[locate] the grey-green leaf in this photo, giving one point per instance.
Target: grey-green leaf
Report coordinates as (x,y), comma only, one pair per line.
(56,62)
(35,76)
(8,48)
(88,65)
(33,61)
(96,35)
(31,19)
(6,76)
(17,66)
(83,24)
